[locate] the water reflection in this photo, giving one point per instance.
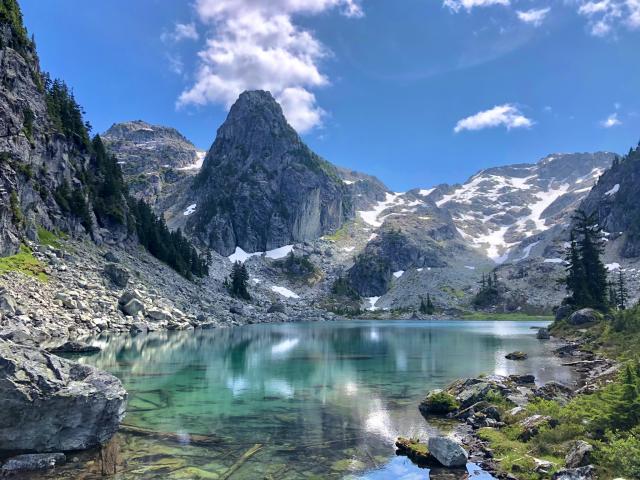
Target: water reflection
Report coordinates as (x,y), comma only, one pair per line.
(324,399)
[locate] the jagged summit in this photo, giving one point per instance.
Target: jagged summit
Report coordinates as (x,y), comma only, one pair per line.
(261,187)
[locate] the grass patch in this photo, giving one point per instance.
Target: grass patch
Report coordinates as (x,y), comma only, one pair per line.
(24,262)
(459,294)
(514,456)
(45,237)
(340,234)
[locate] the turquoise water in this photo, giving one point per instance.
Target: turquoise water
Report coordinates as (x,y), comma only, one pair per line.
(300,400)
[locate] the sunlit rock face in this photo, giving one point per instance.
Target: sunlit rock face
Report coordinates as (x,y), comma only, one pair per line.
(261,187)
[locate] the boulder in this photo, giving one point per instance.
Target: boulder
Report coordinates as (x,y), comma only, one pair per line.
(159,315)
(111,257)
(49,404)
(583,473)
(138,327)
(532,425)
(132,307)
(563,312)
(543,334)
(523,379)
(583,316)
(447,451)
(579,454)
(516,356)
(74,347)
(32,461)
(118,275)
(237,309)
(7,303)
(277,308)
(554,391)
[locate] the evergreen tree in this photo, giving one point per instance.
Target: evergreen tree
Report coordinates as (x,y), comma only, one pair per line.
(622,294)
(430,307)
(586,274)
(238,281)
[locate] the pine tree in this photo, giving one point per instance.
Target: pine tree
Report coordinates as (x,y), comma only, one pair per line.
(586,274)
(238,281)
(423,306)
(430,307)
(621,293)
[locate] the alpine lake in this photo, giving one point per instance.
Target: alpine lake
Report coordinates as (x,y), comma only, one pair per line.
(298,400)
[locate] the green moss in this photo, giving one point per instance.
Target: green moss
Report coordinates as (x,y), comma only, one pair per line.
(45,237)
(459,294)
(441,403)
(23,262)
(340,234)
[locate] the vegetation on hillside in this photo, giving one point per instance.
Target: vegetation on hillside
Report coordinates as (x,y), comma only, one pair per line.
(23,262)
(489,293)
(238,281)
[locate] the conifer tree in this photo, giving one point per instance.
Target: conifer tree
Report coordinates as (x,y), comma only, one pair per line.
(586,274)
(239,278)
(621,291)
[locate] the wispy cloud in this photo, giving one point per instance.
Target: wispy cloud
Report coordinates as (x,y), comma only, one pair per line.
(507,115)
(611,121)
(181,31)
(469,5)
(535,16)
(257,45)
(605,16)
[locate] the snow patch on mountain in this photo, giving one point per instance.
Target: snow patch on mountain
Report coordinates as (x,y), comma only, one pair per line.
(285,292)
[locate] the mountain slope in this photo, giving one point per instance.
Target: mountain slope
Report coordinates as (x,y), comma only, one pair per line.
(261,187)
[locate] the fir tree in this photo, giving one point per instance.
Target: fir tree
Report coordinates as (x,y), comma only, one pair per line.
(586,274)
(238,281)
(621,291)
(430,307)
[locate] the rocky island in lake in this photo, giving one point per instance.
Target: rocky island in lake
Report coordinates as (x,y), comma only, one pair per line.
(272,240)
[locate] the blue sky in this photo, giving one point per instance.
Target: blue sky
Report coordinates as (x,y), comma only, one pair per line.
(417,92)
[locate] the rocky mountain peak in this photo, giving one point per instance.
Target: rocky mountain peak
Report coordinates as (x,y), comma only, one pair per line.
(260,186)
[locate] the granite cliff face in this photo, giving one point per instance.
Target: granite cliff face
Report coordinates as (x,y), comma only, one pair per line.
(616,201)
(34,160)
(261,187)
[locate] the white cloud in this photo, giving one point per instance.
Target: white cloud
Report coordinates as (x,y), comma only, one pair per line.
(535,16)
(468,5)
(604,16)
(611,121)
(507,115)
(256,45)
(181,31)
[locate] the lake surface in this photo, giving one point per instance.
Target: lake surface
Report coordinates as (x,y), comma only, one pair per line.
(301,401)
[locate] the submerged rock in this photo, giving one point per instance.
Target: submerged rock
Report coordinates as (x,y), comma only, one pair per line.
(49,404)
(32,461)
(74,347)
(516,356)
(438,403)
(416,451)
(447,451)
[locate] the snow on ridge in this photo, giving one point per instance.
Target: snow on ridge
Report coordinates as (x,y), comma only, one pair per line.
(425,192)
(398,274)
(372,303)
(241,256)
(612,266)
(613,191)
(371,216)
(197,165)
(553,260)
(190,209)
(285,292)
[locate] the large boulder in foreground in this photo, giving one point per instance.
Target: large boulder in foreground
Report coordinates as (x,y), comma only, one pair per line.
(49,404)
(583,316)
(447,451)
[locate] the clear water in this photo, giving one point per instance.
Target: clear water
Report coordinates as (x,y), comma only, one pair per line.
(314,401)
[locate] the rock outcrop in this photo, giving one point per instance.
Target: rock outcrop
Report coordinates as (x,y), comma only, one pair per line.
(49,404)
(447,451)
(261,187)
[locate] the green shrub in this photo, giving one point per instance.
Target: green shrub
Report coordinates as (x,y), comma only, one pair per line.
(441,403)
